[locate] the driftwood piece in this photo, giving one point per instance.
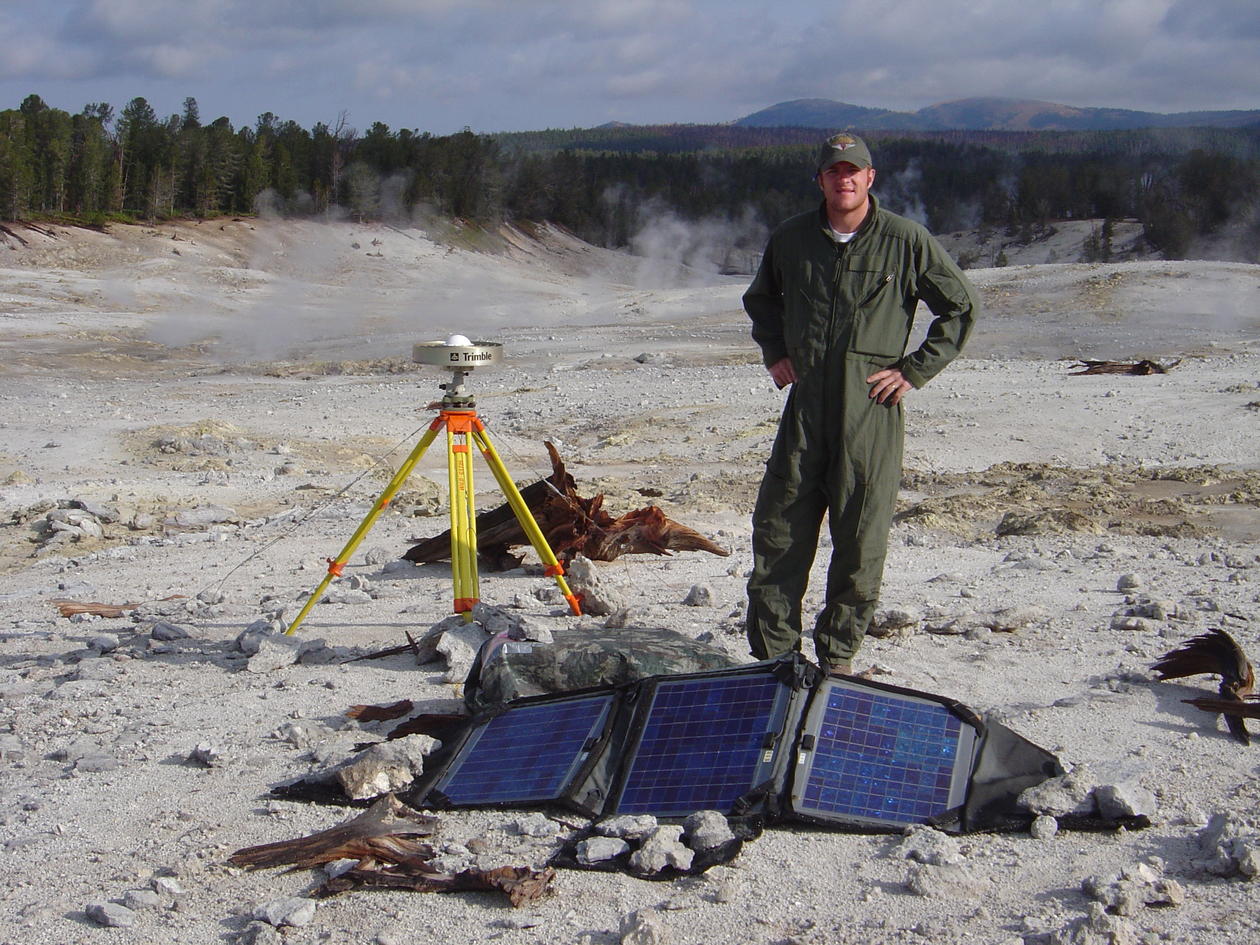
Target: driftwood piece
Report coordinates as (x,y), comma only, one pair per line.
(521,884)
(387,832)
(442,726)
(411,646)
(646,531)
(386,840)
(1217,653)
(572,525)
(68,608)
(380,713)
(1143,367)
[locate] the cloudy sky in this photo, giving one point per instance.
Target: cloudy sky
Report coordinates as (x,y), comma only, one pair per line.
(511,65)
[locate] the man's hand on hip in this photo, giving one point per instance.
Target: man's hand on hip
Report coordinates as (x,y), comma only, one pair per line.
(888,386)
(782,373)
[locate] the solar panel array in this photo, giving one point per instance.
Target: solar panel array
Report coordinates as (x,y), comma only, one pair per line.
(674,745)
(881,757)
(705,743)
(526,754)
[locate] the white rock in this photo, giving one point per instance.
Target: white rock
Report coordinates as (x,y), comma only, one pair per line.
(600,849)
(1138,624)
(537,825)
(250,639)
(166,886)
(627,826)
(206,754)
(1125,800)
(927,845)
(1097,928)
(1010,619)
(700,595)
(707,829)
(137,899)
(104,643)
(336,868)
(294,911)
(892,619)
(275,653)
(168,632)
(599,591)
(459,645)
(1229,847)
(662,848)
(304,733)
(389,766)
(1044,827)
(1071,793)
(111,915)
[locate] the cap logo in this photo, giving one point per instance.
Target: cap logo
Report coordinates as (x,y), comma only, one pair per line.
(841,142)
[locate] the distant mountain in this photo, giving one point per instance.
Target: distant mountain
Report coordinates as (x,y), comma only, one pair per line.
(985,114)
(816,113)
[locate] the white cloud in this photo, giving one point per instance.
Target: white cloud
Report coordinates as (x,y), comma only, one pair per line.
(505,64)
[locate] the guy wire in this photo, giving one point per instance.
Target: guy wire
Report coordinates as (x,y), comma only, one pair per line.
(299,522)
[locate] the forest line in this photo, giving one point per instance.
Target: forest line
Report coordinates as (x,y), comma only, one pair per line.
(95,166)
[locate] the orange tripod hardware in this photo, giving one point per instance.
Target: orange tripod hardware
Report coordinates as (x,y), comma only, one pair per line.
(457,415)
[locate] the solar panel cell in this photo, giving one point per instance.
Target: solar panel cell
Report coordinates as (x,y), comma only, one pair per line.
(704,744)
(526,754)
(881,757)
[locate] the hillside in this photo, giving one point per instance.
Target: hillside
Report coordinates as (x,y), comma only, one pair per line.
(986,114)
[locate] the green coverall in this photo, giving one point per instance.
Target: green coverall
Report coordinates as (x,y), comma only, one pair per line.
(841,312)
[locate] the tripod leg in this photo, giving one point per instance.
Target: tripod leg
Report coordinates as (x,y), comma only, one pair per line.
(335,565)
(523,515)
(470,509)
(463,523)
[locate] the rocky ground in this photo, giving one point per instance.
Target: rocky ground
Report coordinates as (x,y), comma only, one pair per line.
(195,416)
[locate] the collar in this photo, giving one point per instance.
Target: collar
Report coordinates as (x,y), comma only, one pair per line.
(867,222)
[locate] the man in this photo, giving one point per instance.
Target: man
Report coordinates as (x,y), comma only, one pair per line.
(831,307)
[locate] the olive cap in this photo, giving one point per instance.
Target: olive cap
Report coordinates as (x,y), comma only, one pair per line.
(844,147)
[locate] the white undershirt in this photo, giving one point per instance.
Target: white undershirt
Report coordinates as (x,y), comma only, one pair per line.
(842,237)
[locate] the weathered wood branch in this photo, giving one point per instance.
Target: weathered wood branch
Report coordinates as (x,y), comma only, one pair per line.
(386,840)
(68,608)
(381,713)
(388,832)
(520,884)
(1143,367)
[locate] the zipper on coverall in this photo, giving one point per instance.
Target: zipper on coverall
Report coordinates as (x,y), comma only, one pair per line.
(832,378)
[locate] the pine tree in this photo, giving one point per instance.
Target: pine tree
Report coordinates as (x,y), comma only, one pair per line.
(17,176)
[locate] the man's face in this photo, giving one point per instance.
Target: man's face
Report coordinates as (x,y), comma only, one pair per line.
(845,186)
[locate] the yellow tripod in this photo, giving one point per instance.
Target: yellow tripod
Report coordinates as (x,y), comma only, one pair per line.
(457,414)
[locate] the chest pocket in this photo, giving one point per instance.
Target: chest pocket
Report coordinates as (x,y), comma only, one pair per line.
(880,326)
(865,278)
